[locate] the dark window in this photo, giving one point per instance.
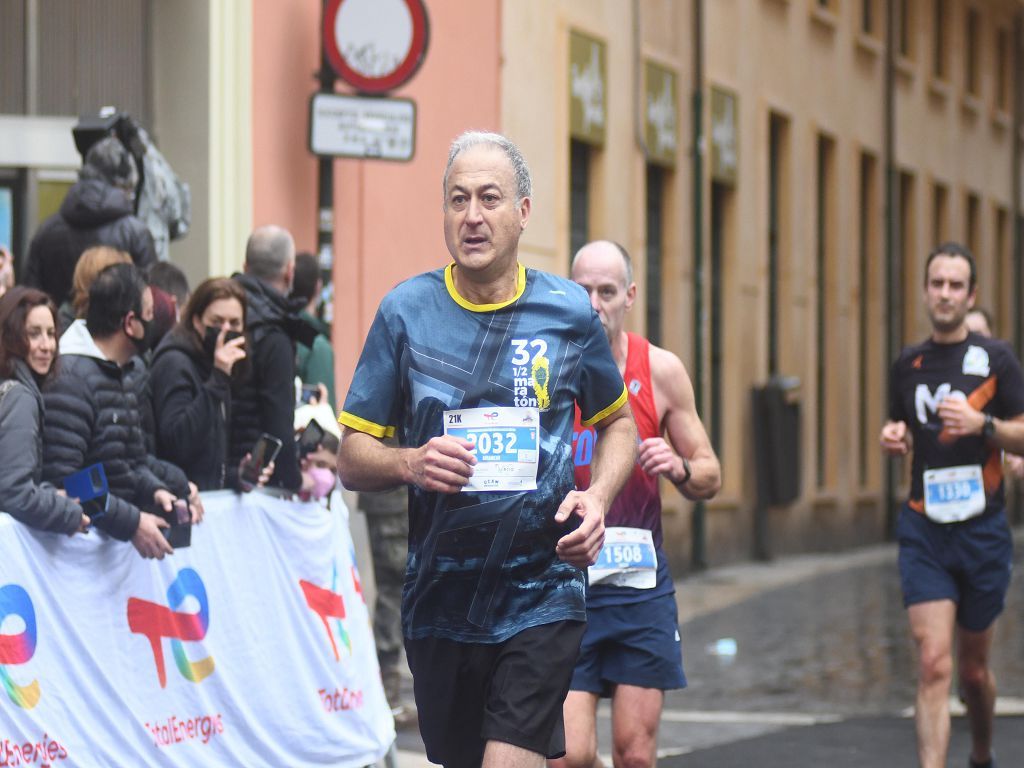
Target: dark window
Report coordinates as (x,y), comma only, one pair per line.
(973,223)
(904,28)
(776,137)
(822,253)
(971,52)
(655,250)
(939,51)
(719,199)
(866,242)
(940,215)
(1002,296)
(912,278)
(579,196)
(1002,64)
(867,17)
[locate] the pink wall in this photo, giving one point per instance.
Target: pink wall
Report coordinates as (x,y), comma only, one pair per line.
(285,56)
(388,222)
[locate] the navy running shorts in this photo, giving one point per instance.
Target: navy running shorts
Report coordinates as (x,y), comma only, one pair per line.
(470,693)
(969,563)
(631,644)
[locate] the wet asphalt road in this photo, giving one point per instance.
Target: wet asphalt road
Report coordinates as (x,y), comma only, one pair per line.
(823,675)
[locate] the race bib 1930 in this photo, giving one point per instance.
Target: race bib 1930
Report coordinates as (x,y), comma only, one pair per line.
(505,441)
(954,494)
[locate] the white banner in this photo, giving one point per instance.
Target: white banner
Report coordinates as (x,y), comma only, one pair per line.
(252,647)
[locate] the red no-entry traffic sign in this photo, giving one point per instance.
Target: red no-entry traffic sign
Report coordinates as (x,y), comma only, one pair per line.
(375,45)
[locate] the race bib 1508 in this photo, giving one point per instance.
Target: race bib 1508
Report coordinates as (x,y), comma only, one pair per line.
(627,559)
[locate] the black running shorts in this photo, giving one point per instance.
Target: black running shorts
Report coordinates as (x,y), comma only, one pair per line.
(470,693)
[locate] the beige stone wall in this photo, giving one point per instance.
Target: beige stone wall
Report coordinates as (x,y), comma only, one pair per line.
(818,71)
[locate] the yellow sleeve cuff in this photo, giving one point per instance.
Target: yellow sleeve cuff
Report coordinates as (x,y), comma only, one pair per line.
(362,425)
(621,401)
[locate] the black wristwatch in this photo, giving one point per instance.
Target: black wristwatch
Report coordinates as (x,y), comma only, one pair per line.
(689,473)
(988,430)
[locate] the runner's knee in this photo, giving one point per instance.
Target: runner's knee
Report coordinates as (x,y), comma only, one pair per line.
(576,756)
(936,665)
(636,755)
(973,677)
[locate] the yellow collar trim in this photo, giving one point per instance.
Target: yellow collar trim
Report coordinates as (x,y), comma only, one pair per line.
(449,281)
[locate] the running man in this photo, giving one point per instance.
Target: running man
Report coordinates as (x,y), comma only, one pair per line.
(477,369)
(631,649)
(957,400)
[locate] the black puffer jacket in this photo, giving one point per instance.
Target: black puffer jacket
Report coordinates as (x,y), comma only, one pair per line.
(192,404)
(137,378)
(93,213)
(92,418)
(266,400)
(23,495)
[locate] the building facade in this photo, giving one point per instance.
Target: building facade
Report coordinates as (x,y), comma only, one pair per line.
(779,170)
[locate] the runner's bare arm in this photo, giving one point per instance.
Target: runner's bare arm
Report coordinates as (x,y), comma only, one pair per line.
(673,397)
(365,463)
(614,456)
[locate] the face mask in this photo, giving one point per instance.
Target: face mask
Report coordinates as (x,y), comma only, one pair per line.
(210,340)
(143,345)
(323,481)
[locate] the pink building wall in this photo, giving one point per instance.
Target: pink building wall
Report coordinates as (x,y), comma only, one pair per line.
(388,219)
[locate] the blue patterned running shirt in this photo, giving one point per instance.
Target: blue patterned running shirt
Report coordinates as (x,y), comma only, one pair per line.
(482,565)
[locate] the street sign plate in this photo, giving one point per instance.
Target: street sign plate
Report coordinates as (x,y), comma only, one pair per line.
(362,127)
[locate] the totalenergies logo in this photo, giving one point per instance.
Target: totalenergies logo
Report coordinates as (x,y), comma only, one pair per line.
(19,648)
(330,604)
(157,621)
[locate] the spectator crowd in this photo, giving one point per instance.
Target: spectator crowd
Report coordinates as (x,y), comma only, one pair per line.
(111,366)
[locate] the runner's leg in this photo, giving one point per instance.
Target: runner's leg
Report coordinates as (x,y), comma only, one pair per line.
(931,624)
(580,713)
(635,715)
(499,754)
(979,688)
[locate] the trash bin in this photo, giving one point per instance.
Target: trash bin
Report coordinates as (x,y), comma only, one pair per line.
(776,418)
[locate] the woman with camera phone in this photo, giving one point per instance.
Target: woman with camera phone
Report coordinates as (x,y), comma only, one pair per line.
(195,369)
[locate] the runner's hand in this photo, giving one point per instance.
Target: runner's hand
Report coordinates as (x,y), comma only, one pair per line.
(582,546)
(443,464)
(959,419)
(894,438)
(656,457)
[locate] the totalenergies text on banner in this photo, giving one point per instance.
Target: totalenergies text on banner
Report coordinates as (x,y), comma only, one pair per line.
(251,647)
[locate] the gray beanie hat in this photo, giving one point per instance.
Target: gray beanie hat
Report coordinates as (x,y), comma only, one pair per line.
(108,159)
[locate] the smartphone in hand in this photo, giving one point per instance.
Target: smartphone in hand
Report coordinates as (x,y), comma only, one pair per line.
(264,452)
(180,532)
(309,392)
(310,439)
(86,484)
